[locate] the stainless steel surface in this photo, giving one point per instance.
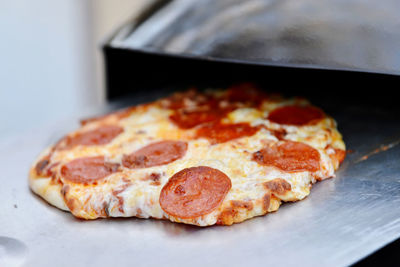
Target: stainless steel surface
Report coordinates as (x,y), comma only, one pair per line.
(350,34)
(342,220)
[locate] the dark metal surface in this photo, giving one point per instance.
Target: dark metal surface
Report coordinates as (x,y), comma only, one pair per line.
(342,220)
(352,34)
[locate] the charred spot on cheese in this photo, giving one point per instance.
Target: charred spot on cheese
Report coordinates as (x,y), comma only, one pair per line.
(69,202)
(99,136)
(44,167)
(279,134)
(278,186)
(155,154)
(120,199)
(64,190)
(289,156)
(154,177)
(194,192)
(248,205)
(221,133)
(266,200)
(50,169)
(296,115)
(106,206)
(41,165)
(87,170)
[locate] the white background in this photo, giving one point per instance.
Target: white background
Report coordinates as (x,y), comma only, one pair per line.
(50,57)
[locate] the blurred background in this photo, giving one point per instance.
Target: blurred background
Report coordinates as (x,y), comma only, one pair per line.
(51,61)
(65,36)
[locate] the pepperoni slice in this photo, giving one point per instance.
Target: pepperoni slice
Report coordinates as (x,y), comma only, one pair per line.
(87,170)
(194,192)
(193,108)
(246,93)
(188,99)
(100,136)
(187,120)
(296,115)
(220,133)
(289,156)
(155,154)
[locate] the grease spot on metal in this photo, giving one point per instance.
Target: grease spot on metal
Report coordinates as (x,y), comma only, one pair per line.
(12,252)
(380,149)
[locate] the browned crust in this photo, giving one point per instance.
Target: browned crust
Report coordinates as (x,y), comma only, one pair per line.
(119,191)
(70,202)
(42,164)
(266,201)
(278,186)
(248,205)
(83,210)
(230,214)
(45,167)
(340,155)
(105,208)
(154,178)
(139,213)
(227,217)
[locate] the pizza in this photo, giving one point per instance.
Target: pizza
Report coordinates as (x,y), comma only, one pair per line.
(196,157)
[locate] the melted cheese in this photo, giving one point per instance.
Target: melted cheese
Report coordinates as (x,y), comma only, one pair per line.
(132,193)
